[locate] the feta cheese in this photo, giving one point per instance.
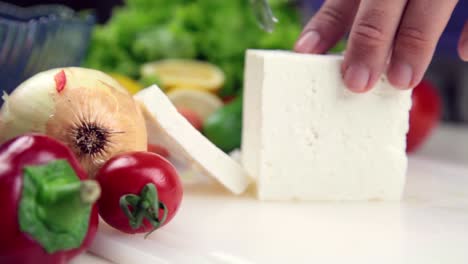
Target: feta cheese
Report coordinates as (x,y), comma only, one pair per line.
(186,145)
(307,137)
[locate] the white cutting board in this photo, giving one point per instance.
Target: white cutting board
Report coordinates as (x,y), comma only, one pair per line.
(429,226)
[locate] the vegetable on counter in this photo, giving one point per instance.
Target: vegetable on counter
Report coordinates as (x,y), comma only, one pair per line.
(48,214)
(160,150)
(128,83)
(177,73)
(191,116)
(224,127)
(87,110)
(204,104)
(425,115)
(215,31)
(141,192)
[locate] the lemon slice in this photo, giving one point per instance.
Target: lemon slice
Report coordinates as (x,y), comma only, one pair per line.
(190,88)
(202,103)
(131,85)
(185,73)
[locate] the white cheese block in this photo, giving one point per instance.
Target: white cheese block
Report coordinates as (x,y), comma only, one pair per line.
(307,137)
(186,145)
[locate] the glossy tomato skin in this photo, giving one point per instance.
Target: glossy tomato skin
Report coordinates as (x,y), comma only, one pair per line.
(128,174)
(194,119)
(424,115)
(159,149)
(17,247)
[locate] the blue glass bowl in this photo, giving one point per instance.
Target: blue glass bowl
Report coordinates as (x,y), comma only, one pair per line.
(38,38)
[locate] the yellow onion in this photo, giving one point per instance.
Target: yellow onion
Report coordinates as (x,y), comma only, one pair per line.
(85,109)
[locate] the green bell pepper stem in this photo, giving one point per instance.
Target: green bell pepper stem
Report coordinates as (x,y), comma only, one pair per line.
(55,205)
(88,191)
(62,201)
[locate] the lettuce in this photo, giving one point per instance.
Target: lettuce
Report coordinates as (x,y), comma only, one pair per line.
(213,30)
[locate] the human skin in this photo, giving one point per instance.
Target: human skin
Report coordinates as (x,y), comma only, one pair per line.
(397,37)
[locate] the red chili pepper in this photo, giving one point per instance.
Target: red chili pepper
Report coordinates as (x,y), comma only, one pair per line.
(47,207)
(60,81)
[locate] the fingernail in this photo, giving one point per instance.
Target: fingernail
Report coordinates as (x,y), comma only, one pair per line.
(400,75)
(356,78)
(308,42)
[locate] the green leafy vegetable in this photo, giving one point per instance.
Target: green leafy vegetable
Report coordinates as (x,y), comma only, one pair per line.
(213,30)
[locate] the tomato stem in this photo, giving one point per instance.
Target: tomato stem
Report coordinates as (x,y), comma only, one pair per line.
(146,205)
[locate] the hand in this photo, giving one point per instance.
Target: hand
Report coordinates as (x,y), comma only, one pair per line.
(396,36)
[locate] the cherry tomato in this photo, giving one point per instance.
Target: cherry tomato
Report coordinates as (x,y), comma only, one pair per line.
(424,115)
(141,191)
(192,117)
(158,149)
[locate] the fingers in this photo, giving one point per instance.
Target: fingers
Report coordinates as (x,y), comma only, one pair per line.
(463,44)
(370,42)
(416,40)
(327,27)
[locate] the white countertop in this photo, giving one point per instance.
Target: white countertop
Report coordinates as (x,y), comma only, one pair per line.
(447,144)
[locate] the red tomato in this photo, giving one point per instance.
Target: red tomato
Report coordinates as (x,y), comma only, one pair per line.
(192,117)
(160,150)
(424,115)
(135,186)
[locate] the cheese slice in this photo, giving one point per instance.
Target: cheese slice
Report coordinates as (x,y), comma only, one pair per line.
(186,145)
(307,137)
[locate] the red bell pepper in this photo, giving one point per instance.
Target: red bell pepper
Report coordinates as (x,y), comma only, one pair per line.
(48,206)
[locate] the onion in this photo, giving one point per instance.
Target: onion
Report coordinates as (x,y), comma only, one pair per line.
(85,109)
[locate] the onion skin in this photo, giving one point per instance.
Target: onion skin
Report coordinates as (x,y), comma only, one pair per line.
(89,98)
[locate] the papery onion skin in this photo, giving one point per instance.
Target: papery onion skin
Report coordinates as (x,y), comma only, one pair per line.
(91,102)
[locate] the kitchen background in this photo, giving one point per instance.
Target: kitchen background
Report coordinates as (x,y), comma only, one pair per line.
(447,72)
(37,39)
